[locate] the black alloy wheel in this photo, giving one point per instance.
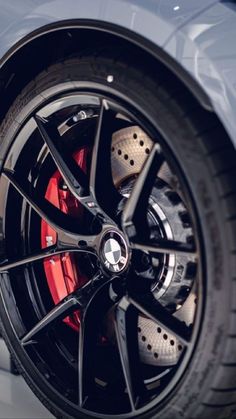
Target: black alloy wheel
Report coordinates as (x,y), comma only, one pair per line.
(105,279)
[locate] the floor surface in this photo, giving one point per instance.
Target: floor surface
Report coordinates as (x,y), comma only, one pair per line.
(16,399)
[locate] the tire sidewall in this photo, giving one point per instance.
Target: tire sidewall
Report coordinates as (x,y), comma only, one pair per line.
(189,150)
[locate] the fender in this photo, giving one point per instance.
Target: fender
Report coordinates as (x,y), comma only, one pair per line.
(152,19)
(205,48)
(151,25)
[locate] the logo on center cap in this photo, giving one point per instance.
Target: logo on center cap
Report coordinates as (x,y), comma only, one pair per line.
(114,251)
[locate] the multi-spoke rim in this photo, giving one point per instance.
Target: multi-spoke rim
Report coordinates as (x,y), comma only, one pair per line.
(93,298)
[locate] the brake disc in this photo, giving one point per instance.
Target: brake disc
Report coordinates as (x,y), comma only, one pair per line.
(130,148)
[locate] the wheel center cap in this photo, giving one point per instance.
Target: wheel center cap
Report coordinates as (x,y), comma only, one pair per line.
(114,251)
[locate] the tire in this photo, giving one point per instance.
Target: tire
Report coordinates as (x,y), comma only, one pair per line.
(205,159)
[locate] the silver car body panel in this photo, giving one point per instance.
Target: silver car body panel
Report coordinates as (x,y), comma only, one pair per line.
(199,35)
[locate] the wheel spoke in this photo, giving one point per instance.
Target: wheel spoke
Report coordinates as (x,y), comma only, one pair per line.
(152,309)
(48,212)
(72,174)
(126,325)
(91,320)
(102,187)
(48,252)
(64,225)
(67,306)
(165,246)
(80,299)
(133,219)
(86,361)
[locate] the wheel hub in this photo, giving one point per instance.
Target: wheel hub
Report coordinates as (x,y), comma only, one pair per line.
(114,252)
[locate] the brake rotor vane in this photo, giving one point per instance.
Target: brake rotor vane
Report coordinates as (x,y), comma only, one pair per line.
(174,275)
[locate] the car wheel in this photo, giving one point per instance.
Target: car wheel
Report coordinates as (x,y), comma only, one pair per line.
(118,206)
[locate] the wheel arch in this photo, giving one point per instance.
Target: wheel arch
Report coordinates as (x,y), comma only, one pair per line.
(60,40)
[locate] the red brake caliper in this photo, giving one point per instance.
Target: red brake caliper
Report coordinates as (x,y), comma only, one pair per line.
(62,273)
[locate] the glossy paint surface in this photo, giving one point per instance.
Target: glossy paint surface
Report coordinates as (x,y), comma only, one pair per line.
(199,35)
(205,47)
(153,19)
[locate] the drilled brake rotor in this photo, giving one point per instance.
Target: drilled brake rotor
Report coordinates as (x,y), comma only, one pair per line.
(174,283)
(130,148)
